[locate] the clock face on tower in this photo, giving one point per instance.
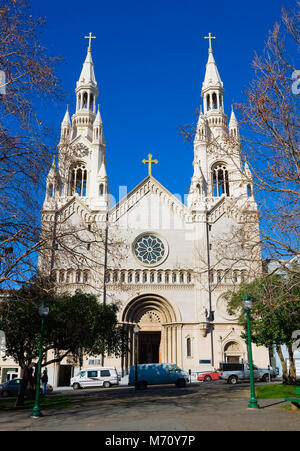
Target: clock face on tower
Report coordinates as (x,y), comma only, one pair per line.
(150,250)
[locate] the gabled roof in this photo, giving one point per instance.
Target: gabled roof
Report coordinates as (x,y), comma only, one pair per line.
(148,185)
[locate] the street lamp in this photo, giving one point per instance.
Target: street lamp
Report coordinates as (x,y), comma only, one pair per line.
(248,304)
(36,411)
(136,330)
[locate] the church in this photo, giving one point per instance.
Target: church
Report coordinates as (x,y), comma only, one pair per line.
(167,262)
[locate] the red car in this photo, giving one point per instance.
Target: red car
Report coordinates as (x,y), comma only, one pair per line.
(207,376)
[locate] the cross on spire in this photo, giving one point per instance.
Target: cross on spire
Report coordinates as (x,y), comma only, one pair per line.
(210,37)
(90,37)
(150,162)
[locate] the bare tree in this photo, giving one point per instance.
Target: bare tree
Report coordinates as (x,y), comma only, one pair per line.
(271,146)
(271,120)
(27,74)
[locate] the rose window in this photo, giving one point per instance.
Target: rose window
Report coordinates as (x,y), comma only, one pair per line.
(149,249)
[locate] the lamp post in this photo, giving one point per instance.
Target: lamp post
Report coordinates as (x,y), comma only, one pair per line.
(248,304)
(36,411)
(136,330)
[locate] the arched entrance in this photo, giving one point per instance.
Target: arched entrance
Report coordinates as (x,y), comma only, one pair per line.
(160,333)
(149,348)
(233,352)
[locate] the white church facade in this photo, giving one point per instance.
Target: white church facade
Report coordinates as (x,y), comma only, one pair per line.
(167,262)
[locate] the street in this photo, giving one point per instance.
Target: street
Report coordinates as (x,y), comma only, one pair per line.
(198,407)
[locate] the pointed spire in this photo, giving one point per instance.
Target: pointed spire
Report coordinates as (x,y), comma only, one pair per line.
(86,95)
(233,125)
(212,87)
(201,119)
(66,125)
(247,171)
(102,171)
(197,173)
(201,132)
(66,120)
(233,120)
(52,171)
(212,76)
(98,119)
(87,76)
(98,135)
(51,183)
(103,202)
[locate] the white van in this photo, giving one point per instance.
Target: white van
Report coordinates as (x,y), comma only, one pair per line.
(105,376)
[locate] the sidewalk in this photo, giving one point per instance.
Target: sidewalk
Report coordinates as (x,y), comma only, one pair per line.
(197,408)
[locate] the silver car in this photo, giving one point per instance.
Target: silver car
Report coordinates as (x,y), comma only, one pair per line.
(12,387)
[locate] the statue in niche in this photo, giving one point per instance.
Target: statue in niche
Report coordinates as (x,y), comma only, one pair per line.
(203,314)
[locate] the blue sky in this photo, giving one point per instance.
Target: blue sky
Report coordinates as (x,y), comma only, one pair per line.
(150,62)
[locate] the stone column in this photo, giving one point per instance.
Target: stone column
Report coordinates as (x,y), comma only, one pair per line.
(174,344)
(169,343)
(179,346)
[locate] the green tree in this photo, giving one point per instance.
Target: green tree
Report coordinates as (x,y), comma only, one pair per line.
(76,325)
(275,314)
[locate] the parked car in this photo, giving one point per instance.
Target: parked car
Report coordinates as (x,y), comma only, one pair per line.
(208,376)
(158,373)
(266,374)
(95,377)
(233,372)
(12,387)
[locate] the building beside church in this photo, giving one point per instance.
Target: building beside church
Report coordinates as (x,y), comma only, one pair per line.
(167,262)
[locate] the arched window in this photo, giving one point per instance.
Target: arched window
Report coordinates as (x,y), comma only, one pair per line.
(85,276)
(249,190)
(220,180)
(243,275)
(78,180)
(78,276)
(69,276)
(84,100)
(214,101)
(208,102)
(91,102)
(188,347)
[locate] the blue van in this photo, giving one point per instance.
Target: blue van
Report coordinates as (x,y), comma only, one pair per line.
(157,373)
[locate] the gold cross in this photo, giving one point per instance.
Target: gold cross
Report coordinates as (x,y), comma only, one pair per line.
(90,37)
(210,37)
(150,161)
